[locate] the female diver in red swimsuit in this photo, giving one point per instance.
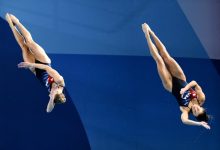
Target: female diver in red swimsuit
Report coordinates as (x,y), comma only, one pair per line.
(38,62)
(189,96)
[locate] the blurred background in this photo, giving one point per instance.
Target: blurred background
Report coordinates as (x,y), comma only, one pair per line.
(115,97)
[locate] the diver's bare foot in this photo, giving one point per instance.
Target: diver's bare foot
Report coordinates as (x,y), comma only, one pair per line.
(145,29)
(7,17)
(14,19)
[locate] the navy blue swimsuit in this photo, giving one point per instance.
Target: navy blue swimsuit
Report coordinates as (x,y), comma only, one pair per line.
(185,98)
(43,76)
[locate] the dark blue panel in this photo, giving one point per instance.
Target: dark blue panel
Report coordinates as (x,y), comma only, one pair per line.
(217,65)
(123,105)
(25,125)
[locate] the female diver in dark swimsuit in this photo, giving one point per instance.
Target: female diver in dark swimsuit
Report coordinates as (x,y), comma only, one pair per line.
(38,62)
(190,96)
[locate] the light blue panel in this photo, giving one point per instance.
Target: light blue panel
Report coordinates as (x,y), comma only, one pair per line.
(204,18)
(105,27)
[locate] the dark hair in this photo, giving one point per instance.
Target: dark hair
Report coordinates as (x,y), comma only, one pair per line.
(59,98)
(203,116)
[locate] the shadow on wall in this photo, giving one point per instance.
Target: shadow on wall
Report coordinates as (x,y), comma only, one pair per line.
(25,125)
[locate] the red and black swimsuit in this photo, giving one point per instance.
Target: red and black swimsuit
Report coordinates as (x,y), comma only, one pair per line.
(187,96)
(44,77)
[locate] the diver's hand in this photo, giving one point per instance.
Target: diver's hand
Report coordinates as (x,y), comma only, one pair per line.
(25,65)
(50,106)
(205,125)
(182,91)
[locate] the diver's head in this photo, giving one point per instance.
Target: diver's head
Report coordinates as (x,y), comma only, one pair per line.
(200,113)
(59,98)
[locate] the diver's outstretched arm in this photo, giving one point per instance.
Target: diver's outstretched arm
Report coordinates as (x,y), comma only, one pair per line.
(51,104)
(52,72)
(185,119)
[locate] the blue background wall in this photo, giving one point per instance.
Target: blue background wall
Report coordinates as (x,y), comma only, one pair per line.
(114,89)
